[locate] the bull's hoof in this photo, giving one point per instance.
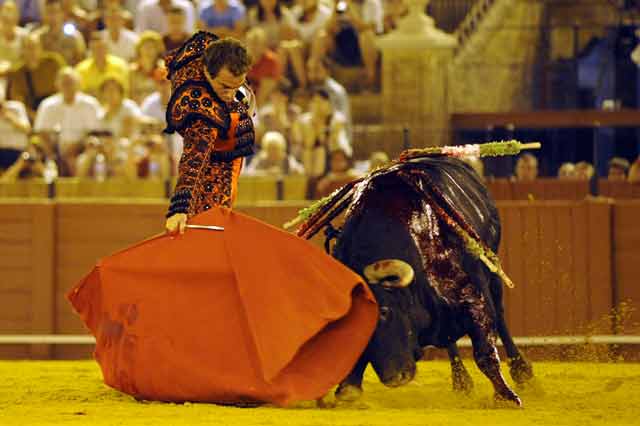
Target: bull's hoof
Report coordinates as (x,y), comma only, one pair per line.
(462,381)
(348,393)
(508,399)
(325,402)
(520,369)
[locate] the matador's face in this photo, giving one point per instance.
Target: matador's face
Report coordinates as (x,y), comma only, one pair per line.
(226,84)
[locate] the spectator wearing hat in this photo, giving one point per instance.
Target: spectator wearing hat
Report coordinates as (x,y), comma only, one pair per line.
(618,168)
(100,65)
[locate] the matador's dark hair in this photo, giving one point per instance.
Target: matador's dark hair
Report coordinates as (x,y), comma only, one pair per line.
(227,52)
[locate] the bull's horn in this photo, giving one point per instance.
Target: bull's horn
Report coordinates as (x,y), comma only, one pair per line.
(389,273)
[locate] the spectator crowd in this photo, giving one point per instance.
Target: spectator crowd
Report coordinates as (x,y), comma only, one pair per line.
(83,85)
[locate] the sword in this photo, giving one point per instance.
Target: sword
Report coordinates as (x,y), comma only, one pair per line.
(207,227)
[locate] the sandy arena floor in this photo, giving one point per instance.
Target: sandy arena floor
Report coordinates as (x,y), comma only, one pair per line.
(72,393)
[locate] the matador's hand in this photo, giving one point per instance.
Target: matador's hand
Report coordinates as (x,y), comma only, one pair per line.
(177,222)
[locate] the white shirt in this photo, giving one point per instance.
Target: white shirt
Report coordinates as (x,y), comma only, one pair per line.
(340,102)
(73,121)
(10,137)
(150,16)
(373,13)
(114,123)
(152,106)
(125,46)
(308,30)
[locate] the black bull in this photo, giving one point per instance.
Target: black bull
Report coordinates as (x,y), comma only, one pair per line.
(402,217)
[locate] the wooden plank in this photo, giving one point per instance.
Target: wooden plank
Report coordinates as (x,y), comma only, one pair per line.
(503,254)
(512,239)
(600,293)
(295,188)
(15,351)
(500,189)
(626,254)
(565,279)
(9,326)
(67,321)
(12,279)
(547,294)
(16,306)
(531,248)
(14,231)
(580,266)
(15,255)
(43,277)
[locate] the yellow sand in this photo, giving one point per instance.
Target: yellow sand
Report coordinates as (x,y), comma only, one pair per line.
(72,393)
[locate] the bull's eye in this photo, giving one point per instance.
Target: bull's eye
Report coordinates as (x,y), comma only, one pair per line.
(385,313)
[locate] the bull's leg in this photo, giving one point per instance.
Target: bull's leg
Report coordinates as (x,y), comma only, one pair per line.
(350,389)
(486,356)
(519,367)
(460,377)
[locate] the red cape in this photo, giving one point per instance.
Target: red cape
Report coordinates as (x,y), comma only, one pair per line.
(250,313)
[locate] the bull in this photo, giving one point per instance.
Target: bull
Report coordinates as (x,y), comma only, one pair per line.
(431,290)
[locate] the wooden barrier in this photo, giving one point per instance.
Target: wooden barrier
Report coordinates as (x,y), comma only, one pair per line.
(559,254)
(539,189)
(618,190)
(32,188)
(27,280)
(626,244)
(110,188)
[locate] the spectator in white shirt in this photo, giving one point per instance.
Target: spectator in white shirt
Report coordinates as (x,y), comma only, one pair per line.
(318,73)
(155,106)
(306,22)
(120,114)
(120,40)
(11,35)
(70,113)
(14,128)
(152,15)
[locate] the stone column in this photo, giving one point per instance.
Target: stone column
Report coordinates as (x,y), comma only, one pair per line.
(415,63)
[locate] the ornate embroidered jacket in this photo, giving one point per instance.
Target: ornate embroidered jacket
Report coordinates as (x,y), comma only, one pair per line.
(216,134)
